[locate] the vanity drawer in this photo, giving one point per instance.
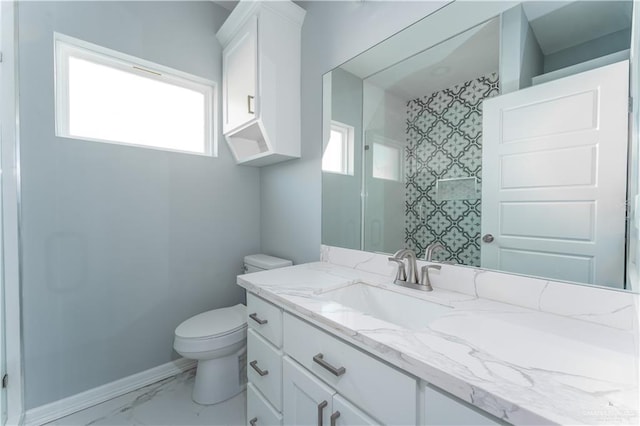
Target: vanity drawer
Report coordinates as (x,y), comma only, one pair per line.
(259,410)
(377,388)
(265,318)
(264,368)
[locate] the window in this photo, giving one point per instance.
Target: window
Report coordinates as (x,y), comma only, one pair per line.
(387,160)
(338,154)
(106,96)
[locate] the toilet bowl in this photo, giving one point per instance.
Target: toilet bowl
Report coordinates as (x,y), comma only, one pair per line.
(217,340)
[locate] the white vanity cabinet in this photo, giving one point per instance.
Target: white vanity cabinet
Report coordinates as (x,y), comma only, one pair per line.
(441,409)
(264,362)
(309,401)
(381,393)
(300,374)
(261,81)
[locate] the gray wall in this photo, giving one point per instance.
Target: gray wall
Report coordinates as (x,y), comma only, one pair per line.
(121,244)
(384,206)
(520,56)
(586,51)
(333,32)
(341,211)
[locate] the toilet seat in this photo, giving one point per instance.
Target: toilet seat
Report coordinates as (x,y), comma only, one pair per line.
(207,334)
(214,323)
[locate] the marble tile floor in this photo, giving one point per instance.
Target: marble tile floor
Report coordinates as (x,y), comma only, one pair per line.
(167,402)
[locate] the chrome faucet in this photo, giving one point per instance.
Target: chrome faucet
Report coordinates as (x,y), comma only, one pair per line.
(428,253)
(424,281)
(411,279)
(411,274)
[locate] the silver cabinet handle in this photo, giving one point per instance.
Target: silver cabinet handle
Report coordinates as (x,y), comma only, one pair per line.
(334,417)
(321,407)
(319,359)
(253,421)
(249,99)
(254,365)
(254,316)
(487,238)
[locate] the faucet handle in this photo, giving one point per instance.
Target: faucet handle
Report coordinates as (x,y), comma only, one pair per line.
(424,276)
(401,274)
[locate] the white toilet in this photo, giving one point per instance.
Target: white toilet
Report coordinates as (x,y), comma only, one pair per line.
(217,339)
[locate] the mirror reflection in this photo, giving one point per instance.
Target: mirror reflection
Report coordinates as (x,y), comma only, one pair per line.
(506,141)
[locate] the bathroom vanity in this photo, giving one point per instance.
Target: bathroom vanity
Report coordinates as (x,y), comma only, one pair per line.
(332,344)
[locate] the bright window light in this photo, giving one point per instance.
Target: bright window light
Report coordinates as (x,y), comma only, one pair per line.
(106,96)
(338,154)
(387,161)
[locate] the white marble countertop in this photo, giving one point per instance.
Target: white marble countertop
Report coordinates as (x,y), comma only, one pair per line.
(521,365)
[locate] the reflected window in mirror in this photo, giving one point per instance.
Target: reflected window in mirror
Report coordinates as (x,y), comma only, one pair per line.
(444,182)
(387,161)
(338,155)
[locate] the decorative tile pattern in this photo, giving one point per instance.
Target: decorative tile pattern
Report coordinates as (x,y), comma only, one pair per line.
(444,135)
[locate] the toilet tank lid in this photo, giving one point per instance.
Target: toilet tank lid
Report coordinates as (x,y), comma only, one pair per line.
(264,261)
(212,323)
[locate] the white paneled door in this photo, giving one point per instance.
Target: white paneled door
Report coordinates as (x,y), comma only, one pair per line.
(554,178)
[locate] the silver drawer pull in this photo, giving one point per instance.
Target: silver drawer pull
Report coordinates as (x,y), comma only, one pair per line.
(334,417)
(333,370)
(249,100)
(254,316)
(321,407)
(254,365)
(253,421)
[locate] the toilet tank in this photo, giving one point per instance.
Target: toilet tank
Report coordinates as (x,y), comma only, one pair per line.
(263,262)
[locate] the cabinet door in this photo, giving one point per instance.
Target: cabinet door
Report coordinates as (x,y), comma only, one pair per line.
(307,401)
(265,368)
(442,409)
(346,414)
(240,73)
(259,411)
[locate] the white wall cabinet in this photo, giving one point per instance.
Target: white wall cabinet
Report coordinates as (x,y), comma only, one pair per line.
(261,81)
(240,59)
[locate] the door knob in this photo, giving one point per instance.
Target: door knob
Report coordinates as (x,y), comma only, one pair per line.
(487,238)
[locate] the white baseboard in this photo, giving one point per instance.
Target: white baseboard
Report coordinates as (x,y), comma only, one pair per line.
(17,420)
(58,409)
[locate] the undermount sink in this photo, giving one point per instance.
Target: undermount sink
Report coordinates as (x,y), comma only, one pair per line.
(396,308)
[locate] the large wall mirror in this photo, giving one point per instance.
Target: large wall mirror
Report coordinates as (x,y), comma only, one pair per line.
(498,133)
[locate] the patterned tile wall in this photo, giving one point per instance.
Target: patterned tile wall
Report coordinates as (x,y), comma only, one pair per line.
(444,135)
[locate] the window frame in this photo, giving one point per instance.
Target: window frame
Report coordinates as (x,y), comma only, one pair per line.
(348,147)
(389,143)
(66,47)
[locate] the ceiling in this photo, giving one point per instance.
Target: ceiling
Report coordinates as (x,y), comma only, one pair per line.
(557,25)
(456,60)
(227,4)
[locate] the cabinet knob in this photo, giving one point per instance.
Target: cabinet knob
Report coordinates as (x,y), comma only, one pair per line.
(336,371)
(253,421)
(321,408)
(254,316)
(249,106)
(254,365)
(334,417)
